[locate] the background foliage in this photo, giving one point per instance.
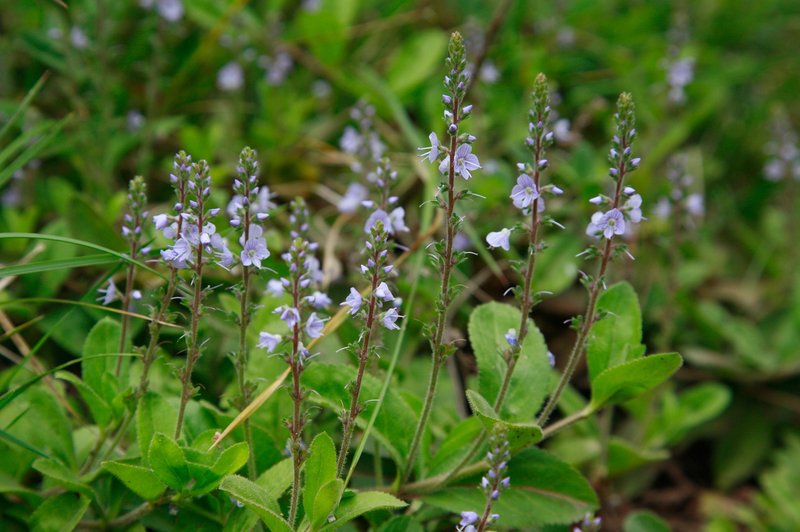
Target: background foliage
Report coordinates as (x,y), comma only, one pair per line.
(108,90)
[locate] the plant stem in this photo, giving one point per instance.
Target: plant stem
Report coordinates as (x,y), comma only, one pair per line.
(155,330)
(438,355)
(349,421)
(243,355)
(594,292)
(526,303)
(296,426)
(194,347)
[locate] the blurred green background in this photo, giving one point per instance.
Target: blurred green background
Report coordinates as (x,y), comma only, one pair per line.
(117,87)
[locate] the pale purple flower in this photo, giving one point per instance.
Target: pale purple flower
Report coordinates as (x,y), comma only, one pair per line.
(633,208)
(355,194)
(314,326)
(499,239)
(78,38)
(289,315)
(383,292)
(275,287)
(511,337)
(468,518)
(353,301)
(607,223)
(389,318)
(351,140)
(230,77)
(465,161)
(170,10)
(695,205)
(551,359)
(431,152)
(109,293)
(179,255)
(397,219)
(318,299)
(268,341)
(255,250)
(161,221)
(136,294)
(377,215)
(524,192)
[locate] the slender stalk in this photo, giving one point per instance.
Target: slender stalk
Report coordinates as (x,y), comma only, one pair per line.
(437,353)
(595,288)
(155,329)
(539,115)
(126,302)
(296,426)
(241,362)
(349,421)
(200,186)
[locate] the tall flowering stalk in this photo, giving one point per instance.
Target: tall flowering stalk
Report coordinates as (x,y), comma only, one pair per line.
(246,214)
(457,159)
(624,209)
(170,226)
(527,195)
(301,318)
(132,231)
(197,245)
(494,482)
(377,270)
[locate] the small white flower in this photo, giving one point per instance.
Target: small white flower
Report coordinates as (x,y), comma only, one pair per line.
(499,239)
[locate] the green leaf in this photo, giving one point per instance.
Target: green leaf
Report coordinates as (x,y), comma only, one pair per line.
(419,57)
(519,435)
(644,521)
(138,479)
(61,513)
(401,523)
(168,462)
(123,257)
(354,505)
(257,500)
(231,460)
(624,456)
(488,325)
(56,264)
(100,409)
(455,446)
(102,339)
(693,408)
(544,490)
(615,338)
(277,479)
(153,415)
(626,381)
(396,421)
(62,475)
(320,468)
(325,502)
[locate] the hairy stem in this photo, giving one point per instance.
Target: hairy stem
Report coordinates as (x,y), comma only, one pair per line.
(349,421)
(595,288)
(437,351)
(126,303)
(194,346)
(296,426)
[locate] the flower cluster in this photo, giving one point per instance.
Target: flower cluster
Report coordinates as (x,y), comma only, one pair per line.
(249,206)
(681,201)
(364,145)
(528,194)
(137,201)
(379,226)
(493,483)
(616,220)
(783,155)
(196,239)
(302,283)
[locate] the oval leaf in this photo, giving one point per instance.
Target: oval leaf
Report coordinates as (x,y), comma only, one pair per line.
(629,380)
